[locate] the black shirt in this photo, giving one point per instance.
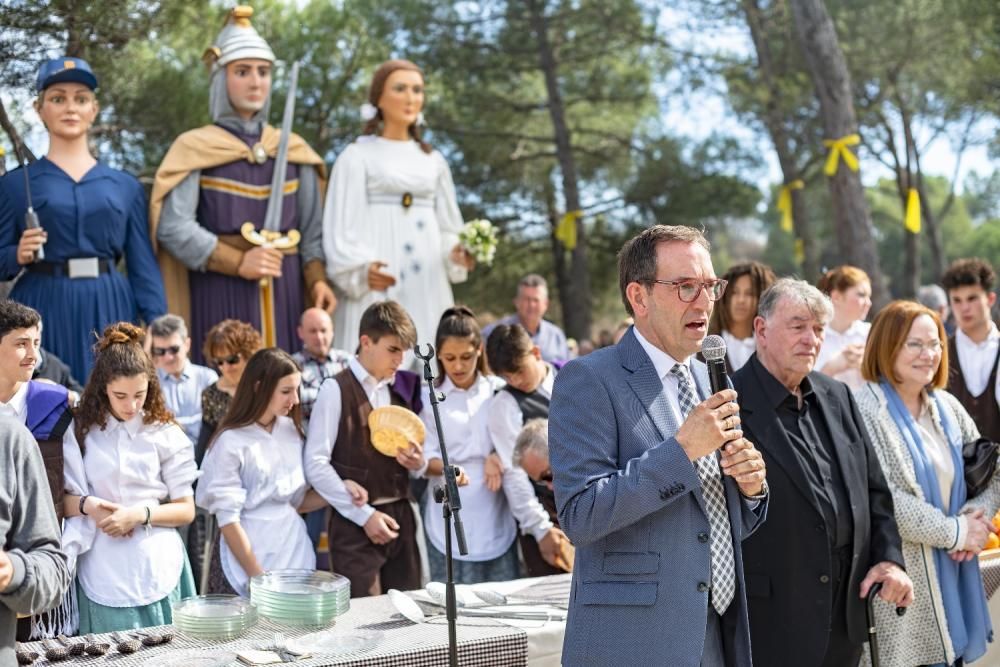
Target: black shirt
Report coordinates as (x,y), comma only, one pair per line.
(809,434)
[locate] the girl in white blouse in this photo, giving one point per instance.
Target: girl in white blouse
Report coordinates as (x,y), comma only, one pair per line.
(732,317)
(140,469)
(489,524)
(253,480)
(846,335)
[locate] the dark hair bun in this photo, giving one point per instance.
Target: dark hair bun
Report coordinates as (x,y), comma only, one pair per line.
(120,333)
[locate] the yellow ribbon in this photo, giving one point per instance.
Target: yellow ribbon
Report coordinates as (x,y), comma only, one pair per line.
(800,251)
(839,149)
(785,203)
(912,219)
(566,229)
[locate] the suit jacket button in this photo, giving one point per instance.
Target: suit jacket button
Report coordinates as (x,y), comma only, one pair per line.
(702,587)
(703,537)
(663,494)
(824,579)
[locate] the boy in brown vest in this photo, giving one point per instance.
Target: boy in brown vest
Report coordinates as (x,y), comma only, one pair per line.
(974,350)
(372,533)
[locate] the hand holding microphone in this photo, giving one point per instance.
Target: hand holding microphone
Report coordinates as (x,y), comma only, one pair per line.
(739,458)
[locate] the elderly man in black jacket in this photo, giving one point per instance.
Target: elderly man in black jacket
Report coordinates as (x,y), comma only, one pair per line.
(830,532)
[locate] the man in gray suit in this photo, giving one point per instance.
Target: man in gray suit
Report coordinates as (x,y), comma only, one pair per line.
(656,515)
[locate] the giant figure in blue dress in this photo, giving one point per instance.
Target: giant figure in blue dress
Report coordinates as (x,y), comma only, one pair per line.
(91,217)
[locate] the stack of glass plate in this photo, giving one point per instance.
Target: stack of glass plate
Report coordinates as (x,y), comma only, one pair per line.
(214,616)
(307,598)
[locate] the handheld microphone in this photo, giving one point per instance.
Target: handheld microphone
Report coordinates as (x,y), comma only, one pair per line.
(713,348)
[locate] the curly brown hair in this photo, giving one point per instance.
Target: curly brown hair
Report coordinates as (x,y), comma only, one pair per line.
(233,336)
(119,353)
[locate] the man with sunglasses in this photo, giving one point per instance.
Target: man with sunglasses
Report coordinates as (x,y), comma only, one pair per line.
(655,485)
(182,382)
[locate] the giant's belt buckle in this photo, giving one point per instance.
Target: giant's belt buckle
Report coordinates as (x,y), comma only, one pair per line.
(407,200)
(84,267)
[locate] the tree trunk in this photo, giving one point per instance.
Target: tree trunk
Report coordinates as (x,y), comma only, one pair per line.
(15,138)
(774,122)
(817,39)
(576,302)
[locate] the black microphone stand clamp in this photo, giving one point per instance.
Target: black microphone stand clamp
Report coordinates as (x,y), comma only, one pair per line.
(451,506)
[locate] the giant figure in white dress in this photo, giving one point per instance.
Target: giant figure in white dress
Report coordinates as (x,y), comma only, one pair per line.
(391,222)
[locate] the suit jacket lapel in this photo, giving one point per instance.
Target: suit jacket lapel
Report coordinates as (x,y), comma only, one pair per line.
(647,385)
(770,437)
(830,407)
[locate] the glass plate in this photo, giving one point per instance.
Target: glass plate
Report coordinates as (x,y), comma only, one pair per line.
(332,642)
(192,658)
(299,582)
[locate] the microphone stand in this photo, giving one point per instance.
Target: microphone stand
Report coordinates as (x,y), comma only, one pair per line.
(451,505)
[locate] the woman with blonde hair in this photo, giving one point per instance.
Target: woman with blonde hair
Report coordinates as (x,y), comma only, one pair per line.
(850,291)
(391,222)
(140,471)
(89,216)
(918,430)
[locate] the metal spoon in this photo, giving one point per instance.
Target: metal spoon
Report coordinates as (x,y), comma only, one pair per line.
(497,599)
(410,610)
(125,645)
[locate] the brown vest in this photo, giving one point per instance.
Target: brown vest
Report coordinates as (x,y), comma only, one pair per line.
(354,457)
(983,408)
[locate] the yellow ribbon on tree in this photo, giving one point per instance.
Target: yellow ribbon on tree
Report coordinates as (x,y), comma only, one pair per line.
(912,218)
(785,203)
(800,251)
(839,148)
(566,229)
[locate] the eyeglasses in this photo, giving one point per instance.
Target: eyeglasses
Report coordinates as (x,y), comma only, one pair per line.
(231,360)
(915,347)
(689,290)
(164,351)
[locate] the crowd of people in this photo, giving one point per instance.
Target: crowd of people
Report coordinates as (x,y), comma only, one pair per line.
(207,443)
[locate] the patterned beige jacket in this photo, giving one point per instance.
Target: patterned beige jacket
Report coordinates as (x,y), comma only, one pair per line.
(921,636)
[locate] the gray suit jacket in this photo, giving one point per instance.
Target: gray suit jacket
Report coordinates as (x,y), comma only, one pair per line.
(631,502)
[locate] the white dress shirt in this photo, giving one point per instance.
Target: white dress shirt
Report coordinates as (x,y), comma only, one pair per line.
(834,342)
(78,532)
(739,350)
(664,363)
(489,524)
(255,477)
(132,464)
(322,437)
(977,361)
(504,423)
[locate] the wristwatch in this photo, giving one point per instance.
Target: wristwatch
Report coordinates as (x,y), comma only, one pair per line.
(764,490)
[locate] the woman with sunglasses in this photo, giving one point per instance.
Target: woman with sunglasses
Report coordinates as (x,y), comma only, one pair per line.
(253,479)
(228,346)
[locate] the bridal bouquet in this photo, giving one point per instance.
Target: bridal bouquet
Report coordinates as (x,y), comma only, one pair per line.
(479,238)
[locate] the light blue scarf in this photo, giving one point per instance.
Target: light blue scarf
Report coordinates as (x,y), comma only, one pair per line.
(961,584)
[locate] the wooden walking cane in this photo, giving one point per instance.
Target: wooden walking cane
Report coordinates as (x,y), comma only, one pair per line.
(270,235)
